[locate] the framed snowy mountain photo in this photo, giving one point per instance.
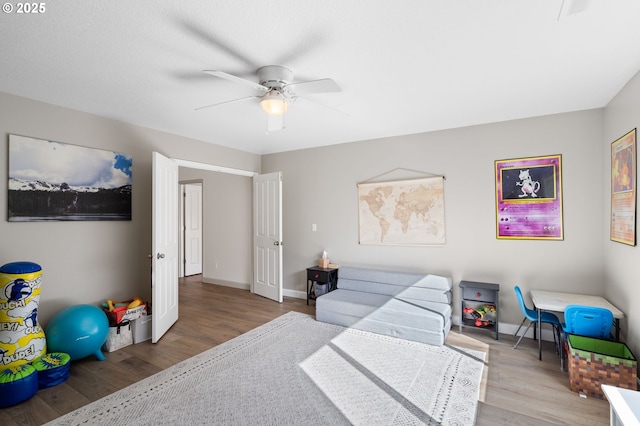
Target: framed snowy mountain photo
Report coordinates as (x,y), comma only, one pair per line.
(54,181)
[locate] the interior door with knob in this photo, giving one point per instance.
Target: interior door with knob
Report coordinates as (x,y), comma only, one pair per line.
(192,225)
(267,235)
(164,241)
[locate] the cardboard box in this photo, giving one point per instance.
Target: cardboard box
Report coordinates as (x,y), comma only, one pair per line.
(594,362)
(118,315)
(142,329)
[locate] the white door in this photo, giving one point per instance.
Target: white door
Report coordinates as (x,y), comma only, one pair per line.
(192,229)
(164,242)
(267,236)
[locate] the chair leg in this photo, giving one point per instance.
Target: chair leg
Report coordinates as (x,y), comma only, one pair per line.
(563,352)
(525,332)
(560,344)
(556,339)
(516,333)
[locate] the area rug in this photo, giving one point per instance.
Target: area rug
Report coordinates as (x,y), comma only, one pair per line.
(295,370)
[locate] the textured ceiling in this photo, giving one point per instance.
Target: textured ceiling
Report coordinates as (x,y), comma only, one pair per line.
(404,66)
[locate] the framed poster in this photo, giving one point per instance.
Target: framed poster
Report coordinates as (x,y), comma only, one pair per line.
(404,212)
(529,198)
(623,189)
(53,181)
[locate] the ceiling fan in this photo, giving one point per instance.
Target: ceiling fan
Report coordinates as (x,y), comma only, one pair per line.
(278,91)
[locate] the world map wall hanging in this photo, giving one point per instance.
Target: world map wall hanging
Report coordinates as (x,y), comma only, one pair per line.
(404,212)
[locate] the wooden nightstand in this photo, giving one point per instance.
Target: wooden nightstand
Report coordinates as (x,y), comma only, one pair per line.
(321,276)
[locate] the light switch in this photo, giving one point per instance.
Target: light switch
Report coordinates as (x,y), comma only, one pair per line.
(314,228)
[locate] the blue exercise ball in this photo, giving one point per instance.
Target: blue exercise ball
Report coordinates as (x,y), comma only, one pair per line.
(79,331)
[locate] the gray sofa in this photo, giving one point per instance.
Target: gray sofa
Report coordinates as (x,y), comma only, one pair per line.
(406,305)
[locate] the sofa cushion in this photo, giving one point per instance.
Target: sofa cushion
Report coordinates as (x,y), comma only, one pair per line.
(435,282)
(400,304)
(392,283)
(408,312)
(426,294)
(436,336)
(378,276)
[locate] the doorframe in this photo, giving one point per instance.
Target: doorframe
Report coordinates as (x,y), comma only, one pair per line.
(213,167)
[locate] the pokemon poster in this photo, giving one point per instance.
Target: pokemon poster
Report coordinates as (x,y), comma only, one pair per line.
(623,189)
(529,198)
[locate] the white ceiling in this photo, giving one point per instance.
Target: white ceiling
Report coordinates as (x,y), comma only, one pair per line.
(404,66)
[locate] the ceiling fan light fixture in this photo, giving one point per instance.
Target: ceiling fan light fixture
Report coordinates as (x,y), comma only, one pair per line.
(273,103)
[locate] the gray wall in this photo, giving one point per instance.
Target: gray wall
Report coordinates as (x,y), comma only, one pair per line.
(320,187)
(88,262)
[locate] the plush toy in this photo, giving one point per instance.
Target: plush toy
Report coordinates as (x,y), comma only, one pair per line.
(478,314)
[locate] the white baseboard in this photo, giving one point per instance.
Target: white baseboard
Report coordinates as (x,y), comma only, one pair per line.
(215,281)
(294,293)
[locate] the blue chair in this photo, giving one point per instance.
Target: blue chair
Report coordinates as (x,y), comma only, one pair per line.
(532,316)
(588,321)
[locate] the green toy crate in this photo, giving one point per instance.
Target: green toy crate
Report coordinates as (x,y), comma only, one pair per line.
(594,362)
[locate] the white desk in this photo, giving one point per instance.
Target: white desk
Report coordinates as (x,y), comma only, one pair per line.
(557,302)
(624,406)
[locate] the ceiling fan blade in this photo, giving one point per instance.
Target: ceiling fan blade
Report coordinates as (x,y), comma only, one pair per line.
(305,45)
(324,85)
(235,79)
(228,102)
(321,104)
(208,37)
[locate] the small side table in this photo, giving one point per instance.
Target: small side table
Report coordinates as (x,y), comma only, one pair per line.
(624,405)
(474,295)
(318,275)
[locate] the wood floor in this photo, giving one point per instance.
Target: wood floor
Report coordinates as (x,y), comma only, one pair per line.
(517,390)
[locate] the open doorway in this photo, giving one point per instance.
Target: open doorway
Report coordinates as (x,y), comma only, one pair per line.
(235,242)
(227,203)
(191,234)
